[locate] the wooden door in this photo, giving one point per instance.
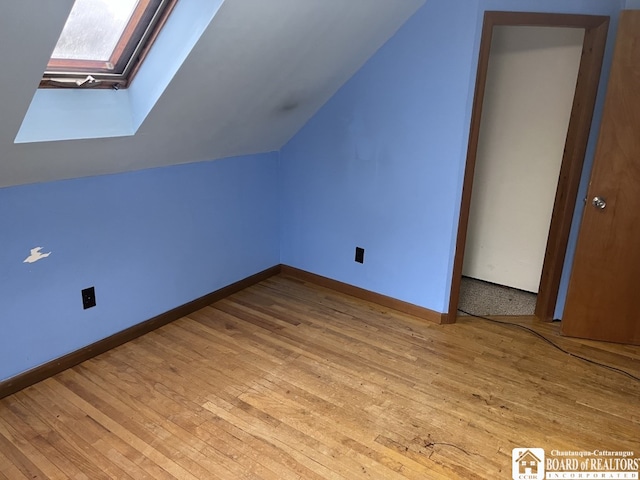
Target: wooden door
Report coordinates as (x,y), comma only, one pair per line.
(604,289)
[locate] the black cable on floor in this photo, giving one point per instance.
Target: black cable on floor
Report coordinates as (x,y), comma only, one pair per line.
(558,347)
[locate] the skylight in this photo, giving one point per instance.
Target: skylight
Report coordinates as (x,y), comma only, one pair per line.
(103,42)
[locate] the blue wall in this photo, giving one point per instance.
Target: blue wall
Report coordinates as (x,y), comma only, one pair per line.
(378,166)
(148,241)
(381,164)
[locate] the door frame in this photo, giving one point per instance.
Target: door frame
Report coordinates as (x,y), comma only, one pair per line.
(596,29)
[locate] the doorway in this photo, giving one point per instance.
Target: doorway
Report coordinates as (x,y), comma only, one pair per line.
(567,176)
(531,80)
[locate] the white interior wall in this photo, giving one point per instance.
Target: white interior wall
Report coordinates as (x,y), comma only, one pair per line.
(530,87)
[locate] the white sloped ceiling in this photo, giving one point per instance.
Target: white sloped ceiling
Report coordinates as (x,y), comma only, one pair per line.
(258,73)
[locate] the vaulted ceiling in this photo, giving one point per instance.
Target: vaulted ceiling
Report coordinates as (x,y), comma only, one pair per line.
(259,71)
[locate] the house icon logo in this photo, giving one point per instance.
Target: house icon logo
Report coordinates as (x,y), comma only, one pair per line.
(527,463)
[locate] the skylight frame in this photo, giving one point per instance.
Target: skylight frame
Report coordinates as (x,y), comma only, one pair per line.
(146,21)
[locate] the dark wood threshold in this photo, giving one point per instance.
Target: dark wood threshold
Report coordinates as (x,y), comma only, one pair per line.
(46,370)
(362,294)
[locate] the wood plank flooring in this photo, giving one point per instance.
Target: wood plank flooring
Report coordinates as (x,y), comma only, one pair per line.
(287,380)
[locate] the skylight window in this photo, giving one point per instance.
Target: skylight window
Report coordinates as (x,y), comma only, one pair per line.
(104,41)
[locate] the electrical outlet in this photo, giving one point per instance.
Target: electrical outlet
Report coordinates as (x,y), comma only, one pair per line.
(359,255)
(89,297)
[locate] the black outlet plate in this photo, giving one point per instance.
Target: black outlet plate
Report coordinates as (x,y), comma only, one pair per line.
(89,297)
(359,255)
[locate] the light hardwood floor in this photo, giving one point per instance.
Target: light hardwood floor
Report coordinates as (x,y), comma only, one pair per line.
(287,380)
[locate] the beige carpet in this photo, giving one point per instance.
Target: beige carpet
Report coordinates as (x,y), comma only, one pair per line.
(483,298)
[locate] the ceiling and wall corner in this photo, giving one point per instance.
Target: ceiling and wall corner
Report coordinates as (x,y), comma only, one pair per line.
(257,73)
(377,166)
(381,165)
